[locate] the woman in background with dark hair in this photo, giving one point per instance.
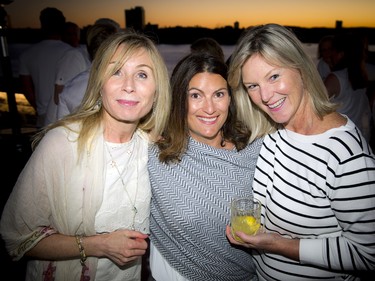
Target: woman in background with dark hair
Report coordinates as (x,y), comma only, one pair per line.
(208,44)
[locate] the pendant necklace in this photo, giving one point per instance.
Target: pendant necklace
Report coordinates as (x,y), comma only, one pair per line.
(114,164)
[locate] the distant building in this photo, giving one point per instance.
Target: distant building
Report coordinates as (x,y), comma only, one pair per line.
(339,24)
(236,25)
(135,18)
(151,28)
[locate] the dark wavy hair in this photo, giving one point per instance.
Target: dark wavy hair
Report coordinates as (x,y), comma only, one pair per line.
(174,141)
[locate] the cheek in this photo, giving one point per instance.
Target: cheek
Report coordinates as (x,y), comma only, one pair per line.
(149,101)
(149,93)
(223,106)
(193,107)
(284,87)
(105,95)
(294,85)
(108,91)
(255,97)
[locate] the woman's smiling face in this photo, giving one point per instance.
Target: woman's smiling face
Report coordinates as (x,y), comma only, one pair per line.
(278,91)
(129,93)
(208,107)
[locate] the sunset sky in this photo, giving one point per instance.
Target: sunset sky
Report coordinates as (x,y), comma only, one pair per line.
(204,13)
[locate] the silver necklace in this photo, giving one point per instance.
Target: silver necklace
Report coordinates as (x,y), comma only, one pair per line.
(114,164)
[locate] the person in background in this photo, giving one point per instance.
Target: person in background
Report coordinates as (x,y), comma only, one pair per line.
(108,21)
(315,173)
(72,36)
(204,158)
(324,64)
(74,90)
(348,81)
(71,64)
(371,97)
(38,63)
(80,208)
(369,59)
(370,91)
(207,44)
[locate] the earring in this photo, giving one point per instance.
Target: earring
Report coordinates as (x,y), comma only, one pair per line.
(98,104)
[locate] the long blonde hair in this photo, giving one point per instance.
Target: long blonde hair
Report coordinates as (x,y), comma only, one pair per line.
(90,114)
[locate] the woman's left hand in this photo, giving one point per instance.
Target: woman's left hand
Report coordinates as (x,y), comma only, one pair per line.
(268,242)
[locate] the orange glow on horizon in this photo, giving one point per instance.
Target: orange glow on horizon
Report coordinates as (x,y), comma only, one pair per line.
(210,14)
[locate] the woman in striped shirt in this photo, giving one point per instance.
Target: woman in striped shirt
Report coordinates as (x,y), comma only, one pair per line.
(315,175)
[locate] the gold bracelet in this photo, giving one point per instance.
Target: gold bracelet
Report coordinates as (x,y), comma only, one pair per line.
(81,249)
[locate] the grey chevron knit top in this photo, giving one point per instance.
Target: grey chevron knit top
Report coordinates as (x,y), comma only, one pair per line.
(191,207)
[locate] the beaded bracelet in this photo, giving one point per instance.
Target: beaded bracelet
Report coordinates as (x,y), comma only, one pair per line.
(81,249)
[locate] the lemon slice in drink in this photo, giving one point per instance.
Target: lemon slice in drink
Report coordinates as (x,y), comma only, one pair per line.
(245,224)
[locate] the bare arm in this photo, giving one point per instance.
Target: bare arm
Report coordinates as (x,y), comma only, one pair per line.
(269,242)
(333,85)
(28,90)
(121,246)
(58,90)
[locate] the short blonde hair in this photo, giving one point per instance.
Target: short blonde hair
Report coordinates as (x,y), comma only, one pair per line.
(278,46)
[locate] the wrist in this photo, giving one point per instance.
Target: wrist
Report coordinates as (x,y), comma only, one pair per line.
(79,241)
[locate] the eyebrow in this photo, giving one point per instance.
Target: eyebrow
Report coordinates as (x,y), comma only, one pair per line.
(220,89)
(194,88)
(138,66)
(144,65)
(266,75)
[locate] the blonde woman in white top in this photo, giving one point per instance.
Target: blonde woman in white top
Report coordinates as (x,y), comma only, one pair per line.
(80,208)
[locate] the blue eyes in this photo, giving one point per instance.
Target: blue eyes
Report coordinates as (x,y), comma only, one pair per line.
(272,78)
(140,75)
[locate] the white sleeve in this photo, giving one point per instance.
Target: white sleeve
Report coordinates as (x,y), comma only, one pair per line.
(71,64)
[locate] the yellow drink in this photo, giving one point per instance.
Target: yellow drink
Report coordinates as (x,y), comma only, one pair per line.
(245,216)
(245,224)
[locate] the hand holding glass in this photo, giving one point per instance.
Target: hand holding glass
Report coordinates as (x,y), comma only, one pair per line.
(245,216)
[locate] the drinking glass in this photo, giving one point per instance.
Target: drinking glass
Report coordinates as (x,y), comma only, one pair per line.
(245,215)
